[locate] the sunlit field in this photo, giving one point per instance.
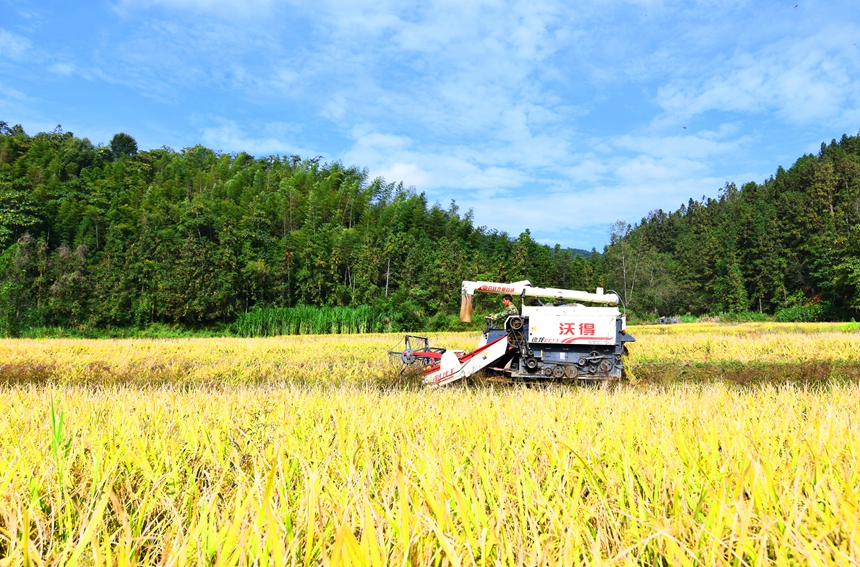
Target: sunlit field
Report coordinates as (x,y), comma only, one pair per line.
(309,450)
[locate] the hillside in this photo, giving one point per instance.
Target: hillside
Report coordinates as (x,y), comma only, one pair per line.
(95,237)
(790,243)
(115,237)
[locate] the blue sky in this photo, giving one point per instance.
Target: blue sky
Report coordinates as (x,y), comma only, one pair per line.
(561,117)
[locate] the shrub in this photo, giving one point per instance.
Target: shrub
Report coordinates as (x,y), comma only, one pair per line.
(800,313)
(442,322)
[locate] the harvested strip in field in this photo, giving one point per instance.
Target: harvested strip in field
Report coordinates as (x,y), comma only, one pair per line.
(749,373)
(360,359)
(304,359)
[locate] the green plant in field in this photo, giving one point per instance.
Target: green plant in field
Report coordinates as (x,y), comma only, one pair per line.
(60,447)
(59,444)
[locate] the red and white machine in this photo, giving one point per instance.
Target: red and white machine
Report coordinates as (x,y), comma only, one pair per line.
(555,337)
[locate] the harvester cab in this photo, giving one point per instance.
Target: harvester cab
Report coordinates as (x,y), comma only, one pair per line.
(559,340)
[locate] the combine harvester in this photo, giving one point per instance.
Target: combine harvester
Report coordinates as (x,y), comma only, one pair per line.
(557,340)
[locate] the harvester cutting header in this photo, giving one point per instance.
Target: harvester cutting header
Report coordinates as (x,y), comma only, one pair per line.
(557,340)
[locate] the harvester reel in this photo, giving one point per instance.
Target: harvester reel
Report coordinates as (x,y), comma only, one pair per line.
(416,355)
(407,357)
(516,323)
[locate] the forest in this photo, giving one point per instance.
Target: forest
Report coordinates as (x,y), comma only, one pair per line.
(98,237)
(788,247)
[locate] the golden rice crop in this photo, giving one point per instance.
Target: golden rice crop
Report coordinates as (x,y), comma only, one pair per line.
(743,353)
(774,348)
(304,475)
(307,359)
(301,451)
(357,359)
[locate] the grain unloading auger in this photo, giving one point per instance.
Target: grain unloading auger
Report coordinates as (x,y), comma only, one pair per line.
(557,340)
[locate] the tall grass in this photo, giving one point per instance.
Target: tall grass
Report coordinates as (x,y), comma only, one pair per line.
(309,320)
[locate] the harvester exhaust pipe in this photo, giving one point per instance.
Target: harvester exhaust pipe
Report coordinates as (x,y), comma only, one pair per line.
(466,307)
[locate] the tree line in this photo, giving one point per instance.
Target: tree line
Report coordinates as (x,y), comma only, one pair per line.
(789,246)
(112,237)
(107,236)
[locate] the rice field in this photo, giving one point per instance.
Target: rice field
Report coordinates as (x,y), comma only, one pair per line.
(306,451)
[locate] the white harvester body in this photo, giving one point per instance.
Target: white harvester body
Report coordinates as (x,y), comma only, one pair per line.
(558,341)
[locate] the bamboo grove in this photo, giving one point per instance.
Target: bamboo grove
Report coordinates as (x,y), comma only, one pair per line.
(98,237)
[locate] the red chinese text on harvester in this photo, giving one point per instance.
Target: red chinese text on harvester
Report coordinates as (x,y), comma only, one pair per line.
(585,329)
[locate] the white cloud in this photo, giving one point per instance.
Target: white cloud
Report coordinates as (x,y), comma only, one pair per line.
(9,93)
(589,169)
(227,136)
(335,108)
(698,146)
(429,169)
(13,46)
(642,168)
(409,173)
(64,69)
(558,110)
(164,59)
(579,218)
(225,9)
(19,107)
(804,81)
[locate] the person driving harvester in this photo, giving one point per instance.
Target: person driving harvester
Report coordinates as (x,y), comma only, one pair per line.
(509,310)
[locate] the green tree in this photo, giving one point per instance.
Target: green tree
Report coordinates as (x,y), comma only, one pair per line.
(123,145)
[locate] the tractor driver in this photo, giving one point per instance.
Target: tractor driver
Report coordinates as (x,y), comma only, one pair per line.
(509,310)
